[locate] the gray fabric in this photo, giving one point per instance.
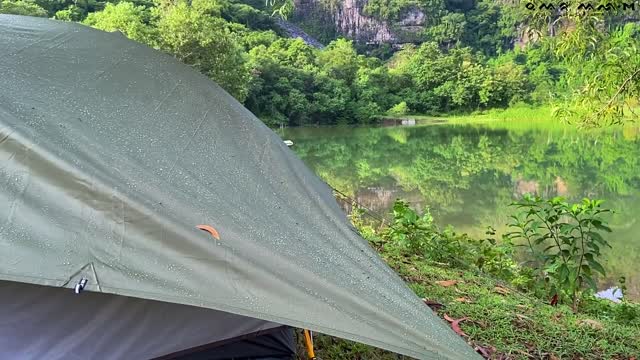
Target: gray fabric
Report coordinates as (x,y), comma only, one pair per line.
(273,344)
(41,322)
(111,153)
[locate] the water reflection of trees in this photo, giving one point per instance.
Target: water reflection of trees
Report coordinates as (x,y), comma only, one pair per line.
(469,170)
(447,164)
(467,175)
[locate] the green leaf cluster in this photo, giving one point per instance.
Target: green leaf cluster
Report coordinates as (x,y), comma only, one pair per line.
(565,242)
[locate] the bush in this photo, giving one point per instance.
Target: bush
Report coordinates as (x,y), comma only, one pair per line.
(21,8)
(419,235)
(72,13)
(399,109)
(564,241)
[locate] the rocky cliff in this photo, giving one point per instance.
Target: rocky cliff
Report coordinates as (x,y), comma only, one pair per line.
(347,18)
(293,31)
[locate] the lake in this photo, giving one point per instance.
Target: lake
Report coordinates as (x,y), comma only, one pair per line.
(467,175)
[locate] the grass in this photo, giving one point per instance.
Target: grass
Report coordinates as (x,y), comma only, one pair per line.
(523,114)
(518,117)
(507,323)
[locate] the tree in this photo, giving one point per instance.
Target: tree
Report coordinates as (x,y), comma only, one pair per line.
(72,13)
(197,37)
(449,31)
(340,60)
(21,7)
(282,85)
(124,17)
(399,109)
(603,58)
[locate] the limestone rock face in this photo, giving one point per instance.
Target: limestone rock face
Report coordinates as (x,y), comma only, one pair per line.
(350,21)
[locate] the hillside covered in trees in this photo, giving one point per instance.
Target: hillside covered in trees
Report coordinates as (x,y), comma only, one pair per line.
(470,55)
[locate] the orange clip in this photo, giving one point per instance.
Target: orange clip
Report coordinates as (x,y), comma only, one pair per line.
(210,230)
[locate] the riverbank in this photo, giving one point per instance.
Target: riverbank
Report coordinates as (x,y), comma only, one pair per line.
(501,322)
(522,115)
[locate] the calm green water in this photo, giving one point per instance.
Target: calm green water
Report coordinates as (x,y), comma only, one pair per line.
(468,174)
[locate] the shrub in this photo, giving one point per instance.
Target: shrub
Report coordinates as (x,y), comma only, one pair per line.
(399,109)
(419,235)
(20,7)
(72,13)
(564,241)
(496,258)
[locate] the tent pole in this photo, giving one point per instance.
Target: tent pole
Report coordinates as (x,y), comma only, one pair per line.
(309,343)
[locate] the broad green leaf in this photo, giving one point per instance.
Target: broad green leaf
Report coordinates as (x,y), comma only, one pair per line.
(597,237)
(591,282)
(563,272)
(597,267)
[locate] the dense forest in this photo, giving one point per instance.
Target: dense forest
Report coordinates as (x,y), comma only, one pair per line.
(471,57)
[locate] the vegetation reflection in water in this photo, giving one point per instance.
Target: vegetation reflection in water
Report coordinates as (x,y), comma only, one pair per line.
(467,175)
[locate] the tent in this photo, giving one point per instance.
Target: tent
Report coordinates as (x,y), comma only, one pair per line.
(111,155)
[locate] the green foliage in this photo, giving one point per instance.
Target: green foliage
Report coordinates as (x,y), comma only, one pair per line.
(564,240)
(487,28)
(411,231)
(505,321)
(193,32)
(282,8)
(21,7)
(248,16)
(419,235)
(449,31)
(389,10)
(497,258)
(399,109)
(296,84)
(72,13)
(196,36)
(286,81)
(438,81)
(468,59)
(77,10)
(340,61)
(124,17)
(601,52)
(623,313)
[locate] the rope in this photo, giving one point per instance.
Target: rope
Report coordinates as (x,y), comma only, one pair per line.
(369,212)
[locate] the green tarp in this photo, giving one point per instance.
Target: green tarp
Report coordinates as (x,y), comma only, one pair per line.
(111,153)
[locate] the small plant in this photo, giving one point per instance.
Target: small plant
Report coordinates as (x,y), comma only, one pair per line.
(496,258)
(419,235)
(410,230)
(565,241)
